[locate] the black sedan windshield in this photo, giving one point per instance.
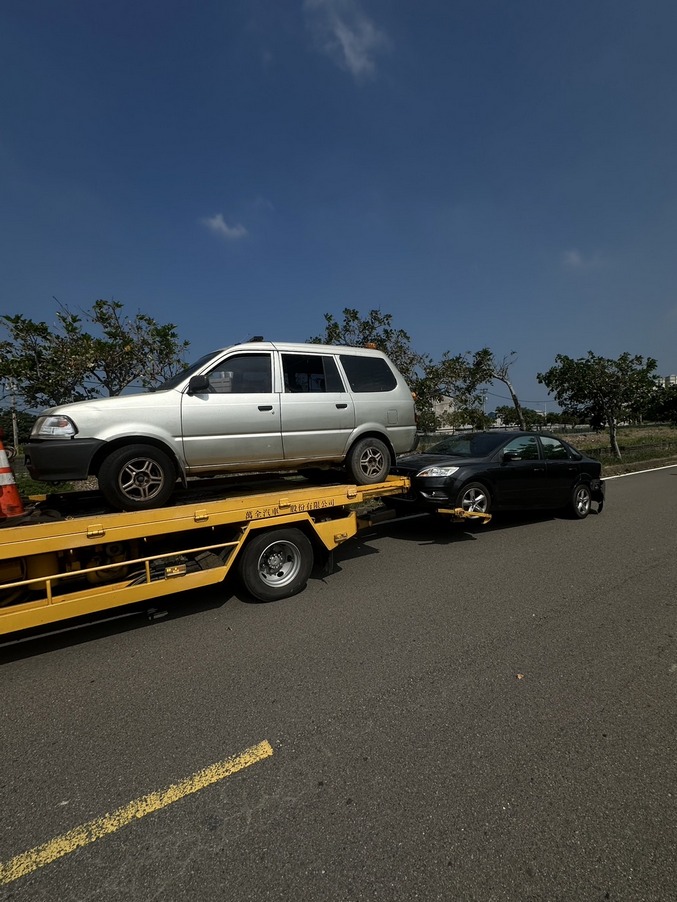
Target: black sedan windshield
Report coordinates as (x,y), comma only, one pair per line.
(472,444)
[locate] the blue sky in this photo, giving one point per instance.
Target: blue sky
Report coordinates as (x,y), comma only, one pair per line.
(496,174)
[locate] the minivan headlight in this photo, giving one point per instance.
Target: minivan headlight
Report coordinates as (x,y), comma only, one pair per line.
(437,471)
(55,425)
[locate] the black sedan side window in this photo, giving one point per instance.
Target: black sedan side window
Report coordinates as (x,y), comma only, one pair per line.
(526,446)
(554,449)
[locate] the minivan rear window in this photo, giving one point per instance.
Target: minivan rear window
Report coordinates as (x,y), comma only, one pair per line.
(368,373)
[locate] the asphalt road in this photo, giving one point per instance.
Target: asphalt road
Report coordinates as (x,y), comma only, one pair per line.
(452,714)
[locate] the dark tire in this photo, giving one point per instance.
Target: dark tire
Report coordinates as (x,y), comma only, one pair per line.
(368,461)
(137,478)
(276,564)
(474,497)
(581,500)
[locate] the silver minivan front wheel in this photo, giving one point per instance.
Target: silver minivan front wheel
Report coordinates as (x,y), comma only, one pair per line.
(368,461)
(137,477)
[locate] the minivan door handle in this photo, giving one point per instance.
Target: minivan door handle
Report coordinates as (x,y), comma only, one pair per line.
(265,406)
(341,406)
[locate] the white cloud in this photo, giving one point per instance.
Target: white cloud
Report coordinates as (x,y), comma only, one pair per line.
(262,204)
(219,226)
(574,259)
(342,31)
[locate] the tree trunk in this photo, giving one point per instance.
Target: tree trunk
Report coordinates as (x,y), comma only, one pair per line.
(515,401)
(613,438)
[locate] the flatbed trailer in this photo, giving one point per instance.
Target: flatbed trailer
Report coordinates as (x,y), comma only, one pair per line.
(68,558)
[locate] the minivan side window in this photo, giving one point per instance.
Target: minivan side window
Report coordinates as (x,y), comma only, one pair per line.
(310,373)
(368,373)
(242,374)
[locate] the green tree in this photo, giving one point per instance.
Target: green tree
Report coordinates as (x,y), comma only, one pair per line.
(506,414)
(509,417)
(662,405)
(604,390)
(24,424)
(54,366)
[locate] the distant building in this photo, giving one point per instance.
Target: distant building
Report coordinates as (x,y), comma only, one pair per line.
(666,381)
(442,410)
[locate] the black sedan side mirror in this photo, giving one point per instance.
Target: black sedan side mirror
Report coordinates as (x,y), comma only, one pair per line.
(511,455)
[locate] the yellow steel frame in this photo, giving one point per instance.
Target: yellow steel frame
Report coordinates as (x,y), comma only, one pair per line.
(42,542)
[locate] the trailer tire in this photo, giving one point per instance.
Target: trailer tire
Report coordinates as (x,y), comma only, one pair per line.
(276,564)
(137,478)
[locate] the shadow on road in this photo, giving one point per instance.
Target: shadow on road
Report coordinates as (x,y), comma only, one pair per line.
(90,627)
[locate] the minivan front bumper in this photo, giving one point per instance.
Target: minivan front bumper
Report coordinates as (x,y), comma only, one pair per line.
(60,460)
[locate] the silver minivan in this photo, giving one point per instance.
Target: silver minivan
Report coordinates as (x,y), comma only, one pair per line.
(249,407)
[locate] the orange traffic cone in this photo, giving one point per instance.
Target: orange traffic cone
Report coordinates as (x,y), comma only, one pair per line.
(10,499)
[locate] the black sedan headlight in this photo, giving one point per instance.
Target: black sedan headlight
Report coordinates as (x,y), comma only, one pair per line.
(436,472)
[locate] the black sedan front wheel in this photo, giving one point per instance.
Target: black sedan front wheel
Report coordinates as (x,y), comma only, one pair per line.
(474,498)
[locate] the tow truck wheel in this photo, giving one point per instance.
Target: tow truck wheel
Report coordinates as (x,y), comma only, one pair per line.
(474,497)
(581,499)
(368,461)
(137,478)
(276,564)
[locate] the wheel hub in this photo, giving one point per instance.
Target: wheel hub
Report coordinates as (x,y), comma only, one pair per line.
(275,562)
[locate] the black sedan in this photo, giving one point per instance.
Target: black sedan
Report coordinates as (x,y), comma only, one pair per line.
(497,471)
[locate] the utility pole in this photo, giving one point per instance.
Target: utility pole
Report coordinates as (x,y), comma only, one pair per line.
(15,423)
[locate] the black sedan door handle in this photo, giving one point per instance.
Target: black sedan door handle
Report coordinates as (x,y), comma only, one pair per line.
(265,406)
(341,406)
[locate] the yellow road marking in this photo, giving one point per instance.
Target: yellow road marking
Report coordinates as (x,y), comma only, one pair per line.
(56,848)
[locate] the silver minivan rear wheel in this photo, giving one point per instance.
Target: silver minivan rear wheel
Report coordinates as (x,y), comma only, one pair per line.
(368,461)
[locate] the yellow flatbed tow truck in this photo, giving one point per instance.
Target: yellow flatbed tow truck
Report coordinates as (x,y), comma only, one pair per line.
(68,558)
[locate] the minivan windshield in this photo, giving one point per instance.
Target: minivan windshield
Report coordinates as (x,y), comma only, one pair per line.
(173,381)
(472,444)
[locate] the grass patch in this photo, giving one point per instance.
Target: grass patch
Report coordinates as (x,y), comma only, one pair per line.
(28,487)
(636,444)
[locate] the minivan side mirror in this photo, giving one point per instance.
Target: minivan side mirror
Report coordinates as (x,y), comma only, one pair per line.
(198,385)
